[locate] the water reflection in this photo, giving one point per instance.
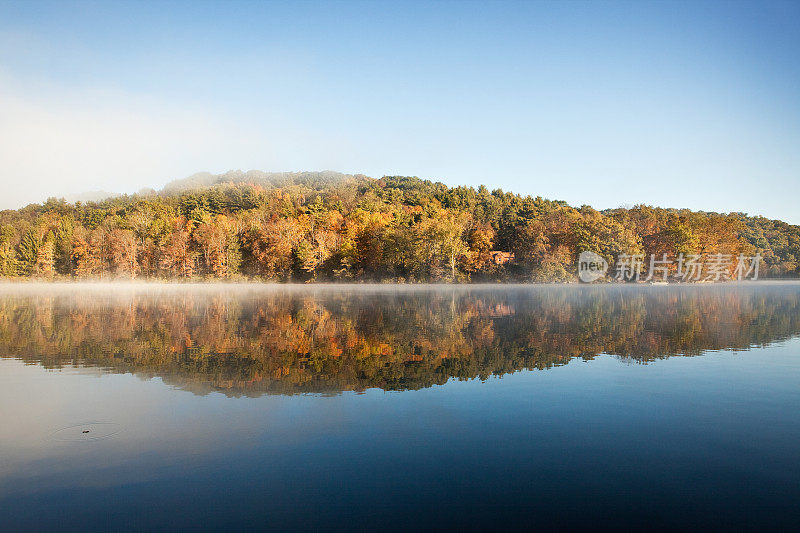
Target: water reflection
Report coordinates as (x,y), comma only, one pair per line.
(252,340)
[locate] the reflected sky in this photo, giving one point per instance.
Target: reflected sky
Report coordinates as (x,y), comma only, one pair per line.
(594,440)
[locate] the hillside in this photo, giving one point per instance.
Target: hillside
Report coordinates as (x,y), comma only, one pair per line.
(331,226)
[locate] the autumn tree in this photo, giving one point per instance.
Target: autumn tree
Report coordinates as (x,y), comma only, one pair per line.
(440,242)
(217,238)
(45,257)
(89,251)
(177,257)
(124,250)
(270,243)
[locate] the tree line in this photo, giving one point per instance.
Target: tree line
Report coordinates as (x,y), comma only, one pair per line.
(326,227)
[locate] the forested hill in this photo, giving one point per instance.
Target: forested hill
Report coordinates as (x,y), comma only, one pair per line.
(330,226)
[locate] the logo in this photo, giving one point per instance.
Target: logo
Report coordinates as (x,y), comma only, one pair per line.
(591,267)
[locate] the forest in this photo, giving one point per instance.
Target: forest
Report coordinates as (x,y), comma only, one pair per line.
(326,226)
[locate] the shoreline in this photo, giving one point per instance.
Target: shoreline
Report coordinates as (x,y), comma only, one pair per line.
(133,284)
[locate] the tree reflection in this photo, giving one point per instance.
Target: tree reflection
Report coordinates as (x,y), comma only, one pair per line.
(256,340)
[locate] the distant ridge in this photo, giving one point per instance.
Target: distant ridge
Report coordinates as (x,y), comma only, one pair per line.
(90,196)
(203,180)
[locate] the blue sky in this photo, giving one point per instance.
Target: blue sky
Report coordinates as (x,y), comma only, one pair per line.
(676,104)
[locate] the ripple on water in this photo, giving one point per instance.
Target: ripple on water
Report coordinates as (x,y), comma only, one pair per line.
(87,431)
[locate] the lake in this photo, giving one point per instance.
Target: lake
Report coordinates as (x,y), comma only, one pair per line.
(140,407)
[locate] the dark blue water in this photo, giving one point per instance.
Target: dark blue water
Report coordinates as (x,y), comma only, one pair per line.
(438,409)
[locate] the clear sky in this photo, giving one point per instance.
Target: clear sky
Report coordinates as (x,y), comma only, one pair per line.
(676,104)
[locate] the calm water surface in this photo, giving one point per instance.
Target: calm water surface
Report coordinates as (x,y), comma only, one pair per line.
(137,407)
